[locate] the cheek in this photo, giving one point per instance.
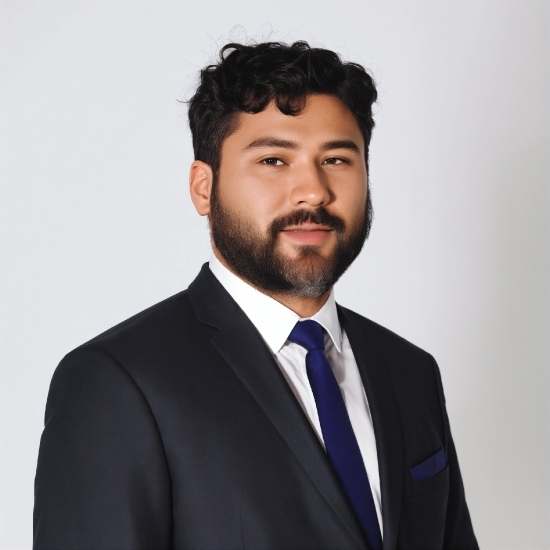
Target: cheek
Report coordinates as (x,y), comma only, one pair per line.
(261,200)
(260,195)
(353,203)
(248,200)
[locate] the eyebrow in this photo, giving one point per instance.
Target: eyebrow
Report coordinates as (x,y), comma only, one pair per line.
(271,142)
(340,144)
(285,144)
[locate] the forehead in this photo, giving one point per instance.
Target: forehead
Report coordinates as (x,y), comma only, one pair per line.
(323,118)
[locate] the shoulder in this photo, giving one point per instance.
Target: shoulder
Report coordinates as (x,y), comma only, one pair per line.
(131,351)
(158,315)
(413,371)
(156,330)
(382,340)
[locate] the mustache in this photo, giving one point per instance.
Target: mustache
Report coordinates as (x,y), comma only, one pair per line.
(319,216)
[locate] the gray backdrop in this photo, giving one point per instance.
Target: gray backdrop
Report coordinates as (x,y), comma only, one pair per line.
(96,223)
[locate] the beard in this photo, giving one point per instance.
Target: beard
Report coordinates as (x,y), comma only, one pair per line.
(254,256)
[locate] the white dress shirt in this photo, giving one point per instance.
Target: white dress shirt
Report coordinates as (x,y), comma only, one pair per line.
(274,322)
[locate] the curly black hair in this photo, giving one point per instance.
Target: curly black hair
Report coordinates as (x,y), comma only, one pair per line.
(248,77)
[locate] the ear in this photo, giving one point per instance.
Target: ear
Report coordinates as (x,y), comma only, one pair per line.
(200,186)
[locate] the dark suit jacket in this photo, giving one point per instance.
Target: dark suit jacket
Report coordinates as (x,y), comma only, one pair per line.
(176,429)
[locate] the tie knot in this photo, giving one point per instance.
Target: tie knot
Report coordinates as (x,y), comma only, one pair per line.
(308,334)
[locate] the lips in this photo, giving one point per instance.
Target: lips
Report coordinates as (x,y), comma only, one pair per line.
(308,227)
(307,233)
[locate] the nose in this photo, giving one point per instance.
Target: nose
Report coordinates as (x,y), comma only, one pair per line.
(310,188)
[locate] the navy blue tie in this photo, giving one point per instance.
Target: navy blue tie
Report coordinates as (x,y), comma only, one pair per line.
(340,441)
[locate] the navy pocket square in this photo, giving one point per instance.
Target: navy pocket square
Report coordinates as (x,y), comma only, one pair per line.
(430,467)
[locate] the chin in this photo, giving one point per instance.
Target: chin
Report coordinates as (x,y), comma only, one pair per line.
(309,266)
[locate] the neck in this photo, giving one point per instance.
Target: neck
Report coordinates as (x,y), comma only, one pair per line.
(301,305)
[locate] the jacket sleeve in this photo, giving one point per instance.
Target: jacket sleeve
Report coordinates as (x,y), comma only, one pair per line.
(102,478)
(459,532)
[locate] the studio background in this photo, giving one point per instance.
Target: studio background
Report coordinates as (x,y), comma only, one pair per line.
(96,222)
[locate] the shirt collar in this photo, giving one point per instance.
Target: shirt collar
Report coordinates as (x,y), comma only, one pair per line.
(273,320)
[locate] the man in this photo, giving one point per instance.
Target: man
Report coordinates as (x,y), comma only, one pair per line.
(251,411)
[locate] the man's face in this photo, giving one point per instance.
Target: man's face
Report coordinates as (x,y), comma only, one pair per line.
(288,212)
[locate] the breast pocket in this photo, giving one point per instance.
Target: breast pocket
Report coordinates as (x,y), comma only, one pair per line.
(430,473)
(429,484)
(424,512)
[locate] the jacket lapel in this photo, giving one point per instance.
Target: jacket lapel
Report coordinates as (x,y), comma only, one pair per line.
(386,421)
(242,347)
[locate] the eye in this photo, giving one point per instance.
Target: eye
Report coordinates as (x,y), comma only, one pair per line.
(272,161)
(334,160)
